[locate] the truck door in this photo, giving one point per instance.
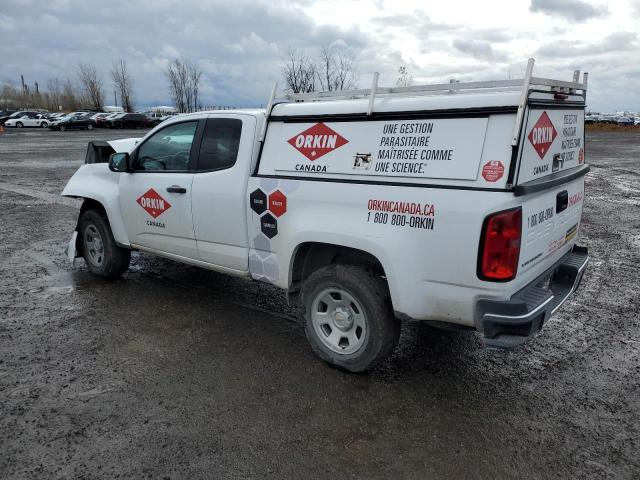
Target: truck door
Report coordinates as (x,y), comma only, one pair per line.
(155,199)
(219,190)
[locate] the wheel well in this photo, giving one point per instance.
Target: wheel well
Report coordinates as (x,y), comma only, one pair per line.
(90,204)
(311,256)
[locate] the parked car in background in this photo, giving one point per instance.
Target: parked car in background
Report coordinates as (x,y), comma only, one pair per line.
(607,118)
(73,122)
(167,116)
(624,121)
(591,117)
(636,121)
(81,113)
(152,120)
(128,120)
(99,117)
(103,119)
(27,119)
(4,114)
(15,114)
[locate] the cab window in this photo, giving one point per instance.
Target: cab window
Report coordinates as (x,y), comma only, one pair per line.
(169,149)
(220,143)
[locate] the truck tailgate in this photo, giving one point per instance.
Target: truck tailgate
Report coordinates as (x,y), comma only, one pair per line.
(550,223)
(552,148)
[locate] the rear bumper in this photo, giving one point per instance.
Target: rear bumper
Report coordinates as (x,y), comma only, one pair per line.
(507,324)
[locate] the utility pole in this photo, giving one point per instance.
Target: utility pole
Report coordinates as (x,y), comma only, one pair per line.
(37,89)
(115,98)
(24,87)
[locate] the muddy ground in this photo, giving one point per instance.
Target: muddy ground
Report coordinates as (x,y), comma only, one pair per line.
(175,372)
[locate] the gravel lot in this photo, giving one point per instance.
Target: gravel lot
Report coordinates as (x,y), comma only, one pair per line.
(175,372)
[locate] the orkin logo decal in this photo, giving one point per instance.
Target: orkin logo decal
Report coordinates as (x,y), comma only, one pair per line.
(317,141)
(153,203)
(542,135)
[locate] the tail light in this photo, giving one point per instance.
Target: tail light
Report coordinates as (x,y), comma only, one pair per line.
(500,246)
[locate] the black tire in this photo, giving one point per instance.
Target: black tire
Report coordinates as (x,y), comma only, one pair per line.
(114,260)
(19,125)
(371,295)
(44,125)
(89,127)
(62,128)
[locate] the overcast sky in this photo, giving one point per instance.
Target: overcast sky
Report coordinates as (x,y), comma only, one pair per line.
(240,44)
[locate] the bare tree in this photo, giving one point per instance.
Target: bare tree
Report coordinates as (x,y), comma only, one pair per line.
(54,89)
(404,77)
(299,72)
(58,95)
(184,84)
(193,75)
(335,69)
(91,83)
(124,84)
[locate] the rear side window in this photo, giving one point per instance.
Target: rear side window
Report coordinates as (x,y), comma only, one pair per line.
(220,142)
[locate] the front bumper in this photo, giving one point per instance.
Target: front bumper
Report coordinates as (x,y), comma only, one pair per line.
(507,324)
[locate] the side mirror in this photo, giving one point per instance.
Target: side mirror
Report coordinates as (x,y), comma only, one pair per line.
(119,162)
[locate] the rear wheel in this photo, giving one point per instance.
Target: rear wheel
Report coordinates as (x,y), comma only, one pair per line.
(44,124)
(99,249)
(62,128)
(348,318)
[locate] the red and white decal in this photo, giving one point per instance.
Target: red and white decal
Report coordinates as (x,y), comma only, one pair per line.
(317,141)
(581,156)
(278,203)
(153,203)
(493,171)
(542,135)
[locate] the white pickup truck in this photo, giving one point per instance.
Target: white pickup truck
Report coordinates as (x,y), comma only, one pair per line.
(456,204)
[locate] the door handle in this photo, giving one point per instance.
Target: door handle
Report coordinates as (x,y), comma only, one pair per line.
(176,189)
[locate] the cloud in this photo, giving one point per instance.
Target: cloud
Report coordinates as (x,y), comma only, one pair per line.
(576,10)
(612,44)
(240,45)
(479,49)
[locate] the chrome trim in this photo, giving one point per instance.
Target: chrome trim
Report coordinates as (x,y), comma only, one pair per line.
(527,315)
(574,287)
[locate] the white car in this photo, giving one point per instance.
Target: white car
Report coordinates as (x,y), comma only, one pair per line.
(458,210)
(28,119)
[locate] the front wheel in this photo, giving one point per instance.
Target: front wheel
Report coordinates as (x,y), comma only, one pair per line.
(348,317)
(89,127)
(62,128)
(99,249)
(19,125)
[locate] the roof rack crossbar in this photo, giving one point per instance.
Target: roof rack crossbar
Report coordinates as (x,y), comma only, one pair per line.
(548,82)
(445,87)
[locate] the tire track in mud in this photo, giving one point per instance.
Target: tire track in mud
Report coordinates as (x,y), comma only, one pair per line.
(40,195)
